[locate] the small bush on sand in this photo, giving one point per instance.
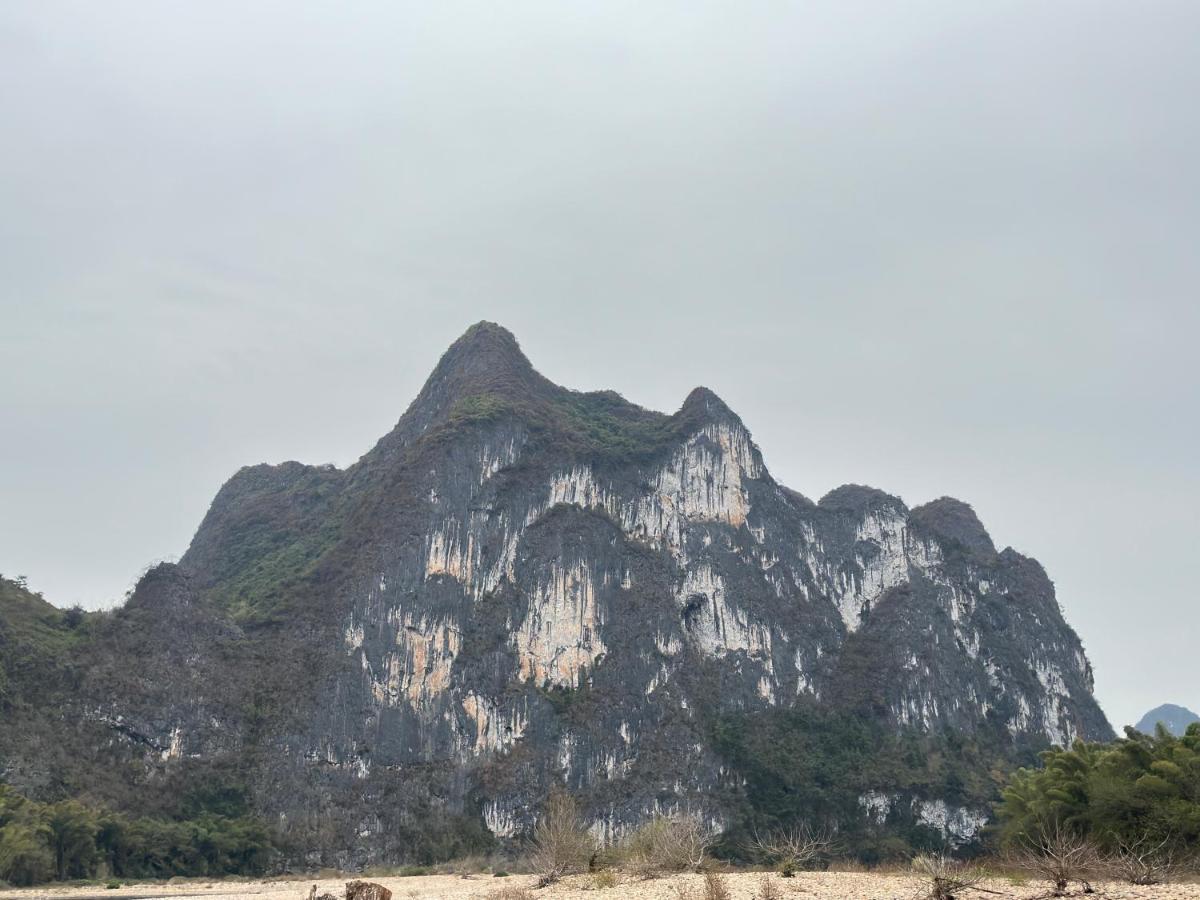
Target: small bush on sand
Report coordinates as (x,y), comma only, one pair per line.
(561,844)
(1147,861)
(1058,855)
(767,889)
(945,878)
(678,843)
(511,893)
(792,849)
(604,880)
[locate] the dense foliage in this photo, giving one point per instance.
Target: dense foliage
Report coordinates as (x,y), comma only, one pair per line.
(810,765)
(1137,788)
(45,841)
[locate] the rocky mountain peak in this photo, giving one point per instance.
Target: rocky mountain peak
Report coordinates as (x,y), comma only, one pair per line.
(703,404)
(860,499)
(486,360)
(953,520)
(485,366)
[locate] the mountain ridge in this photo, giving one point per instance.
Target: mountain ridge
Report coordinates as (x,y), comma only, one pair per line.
(522,585)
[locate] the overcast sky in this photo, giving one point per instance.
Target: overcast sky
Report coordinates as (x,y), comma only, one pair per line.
(939,248)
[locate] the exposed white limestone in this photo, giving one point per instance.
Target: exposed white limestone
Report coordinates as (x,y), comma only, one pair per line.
(876,805)
(803,681)
(494,458)
(766,690)
(174,750)
(354,635)
(417,670)
(957,824)
(446,554)
(1023,718)
(895,555)
(501,819)
(714,624)
(578,487)
(561,631)
(658,679)
(918,708)
(667,645)
(495,728)
(1056,720)
(458,550)
(703,482)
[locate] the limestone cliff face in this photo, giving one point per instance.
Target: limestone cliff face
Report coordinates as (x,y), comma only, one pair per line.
(523,584)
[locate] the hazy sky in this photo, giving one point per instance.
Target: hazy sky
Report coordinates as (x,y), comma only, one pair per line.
(939,248)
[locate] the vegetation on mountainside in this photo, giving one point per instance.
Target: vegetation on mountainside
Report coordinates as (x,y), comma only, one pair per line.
(600,427)
(33,634)
(808,766)
(47,841)
(265,533)
(1141,790)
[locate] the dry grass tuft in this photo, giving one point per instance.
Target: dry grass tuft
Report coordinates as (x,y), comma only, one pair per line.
(511,893)
(604,880)
(715,887)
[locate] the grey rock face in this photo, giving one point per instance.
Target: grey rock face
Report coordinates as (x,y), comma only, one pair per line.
(521,584)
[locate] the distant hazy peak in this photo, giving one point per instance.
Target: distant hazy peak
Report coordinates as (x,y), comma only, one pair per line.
(1175,718)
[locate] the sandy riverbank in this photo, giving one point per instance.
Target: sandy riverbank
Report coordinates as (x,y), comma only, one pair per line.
(741,885)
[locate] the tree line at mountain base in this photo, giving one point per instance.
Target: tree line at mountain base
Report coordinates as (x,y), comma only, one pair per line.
(1130,808)
(69,840)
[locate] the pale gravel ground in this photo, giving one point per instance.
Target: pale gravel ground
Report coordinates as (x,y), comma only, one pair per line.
(742,886)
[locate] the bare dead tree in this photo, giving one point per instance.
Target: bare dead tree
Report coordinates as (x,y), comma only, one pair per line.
(1060,856)
(792,849)
(1147,861)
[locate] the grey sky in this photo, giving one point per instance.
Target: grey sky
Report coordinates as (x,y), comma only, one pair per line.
(940,248)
